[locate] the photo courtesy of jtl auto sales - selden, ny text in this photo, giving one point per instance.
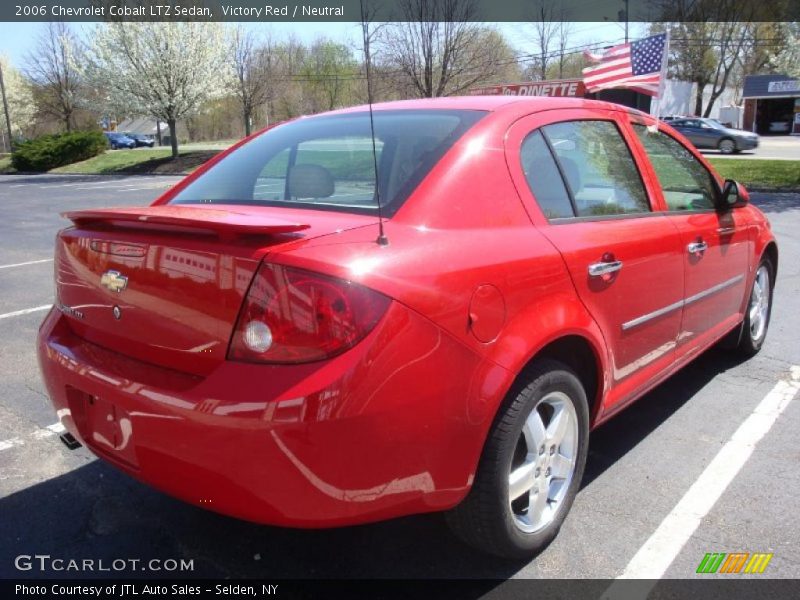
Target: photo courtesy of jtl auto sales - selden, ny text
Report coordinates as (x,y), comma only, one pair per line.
(400,299)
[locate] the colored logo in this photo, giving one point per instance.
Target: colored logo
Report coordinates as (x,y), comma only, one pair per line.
(114,281)
(735,562)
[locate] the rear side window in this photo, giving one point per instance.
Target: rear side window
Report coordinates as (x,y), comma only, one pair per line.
(686,183)
(598,167)
(327,162)
(543,178)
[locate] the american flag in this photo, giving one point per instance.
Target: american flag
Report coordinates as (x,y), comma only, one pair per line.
(636,66)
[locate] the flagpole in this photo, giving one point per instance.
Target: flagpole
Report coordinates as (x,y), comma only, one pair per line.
(662,83)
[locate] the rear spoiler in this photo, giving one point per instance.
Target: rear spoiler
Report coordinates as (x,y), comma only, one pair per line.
(225,222)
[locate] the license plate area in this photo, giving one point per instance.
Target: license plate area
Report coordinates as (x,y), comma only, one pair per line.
(103,425)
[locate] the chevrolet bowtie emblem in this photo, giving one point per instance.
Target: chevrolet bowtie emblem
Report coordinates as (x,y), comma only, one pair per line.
(114,281)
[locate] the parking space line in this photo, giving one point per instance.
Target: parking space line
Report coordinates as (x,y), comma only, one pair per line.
(24,264)
(49,431)
(39,434)
(25,311)
(8,444)
(657,554)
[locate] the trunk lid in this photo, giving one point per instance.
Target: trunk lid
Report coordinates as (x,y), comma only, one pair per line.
(164,284)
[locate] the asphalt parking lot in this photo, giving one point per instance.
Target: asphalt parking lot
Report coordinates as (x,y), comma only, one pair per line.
(68,504)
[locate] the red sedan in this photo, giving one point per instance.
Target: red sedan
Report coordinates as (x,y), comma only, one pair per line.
(337,322)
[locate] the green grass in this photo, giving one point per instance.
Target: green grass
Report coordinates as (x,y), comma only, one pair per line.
(5,165)
(141,161)
(760,174)
(112,161)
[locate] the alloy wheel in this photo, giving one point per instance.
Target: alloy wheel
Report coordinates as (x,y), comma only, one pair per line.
(544,462)
(759,304)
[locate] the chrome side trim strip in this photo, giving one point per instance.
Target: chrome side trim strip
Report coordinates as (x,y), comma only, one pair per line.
(680,303)
(653,315)
(713,290)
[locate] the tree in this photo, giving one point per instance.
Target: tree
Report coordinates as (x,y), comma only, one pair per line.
(787,61)
(564,34)
(21,109)
(253,72)
(707,42)
(167,70)
(437,49)
(51,66)
(551,33)
(569,66)
(329,70)
(765,42)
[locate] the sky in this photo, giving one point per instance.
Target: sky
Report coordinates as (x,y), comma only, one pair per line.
(18,39)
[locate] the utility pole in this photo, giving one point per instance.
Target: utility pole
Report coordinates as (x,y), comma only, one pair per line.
(5,109)
(624,14)
(627,20)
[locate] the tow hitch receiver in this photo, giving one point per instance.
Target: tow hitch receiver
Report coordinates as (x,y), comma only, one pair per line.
(69,441)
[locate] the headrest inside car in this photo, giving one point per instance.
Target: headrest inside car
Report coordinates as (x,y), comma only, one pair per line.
(310,181)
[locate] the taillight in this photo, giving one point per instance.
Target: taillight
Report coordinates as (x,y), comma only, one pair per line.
(295,316)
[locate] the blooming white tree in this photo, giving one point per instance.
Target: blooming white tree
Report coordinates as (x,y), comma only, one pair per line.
(21,108)
(162,69)
(787,62)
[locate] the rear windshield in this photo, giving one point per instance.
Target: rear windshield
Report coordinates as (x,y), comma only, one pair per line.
(327,162)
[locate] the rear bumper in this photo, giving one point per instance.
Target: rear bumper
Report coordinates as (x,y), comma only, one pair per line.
(392,427)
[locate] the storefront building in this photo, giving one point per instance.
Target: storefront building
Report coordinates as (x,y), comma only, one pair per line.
(772,104)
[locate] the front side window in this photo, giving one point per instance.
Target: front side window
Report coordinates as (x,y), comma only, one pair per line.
(598,167)
(686,183)
(327,162)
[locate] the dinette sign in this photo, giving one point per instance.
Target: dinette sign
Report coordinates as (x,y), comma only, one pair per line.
(561,87)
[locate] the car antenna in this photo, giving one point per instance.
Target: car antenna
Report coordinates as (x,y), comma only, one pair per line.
(382,239)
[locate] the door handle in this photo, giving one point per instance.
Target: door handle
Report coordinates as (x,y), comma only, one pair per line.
(697,247)
(604,268)
(726,230)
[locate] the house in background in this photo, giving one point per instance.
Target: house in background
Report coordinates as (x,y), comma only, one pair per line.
(141,125)
(149,126)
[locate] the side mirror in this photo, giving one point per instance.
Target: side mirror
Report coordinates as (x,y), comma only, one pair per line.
(734,194)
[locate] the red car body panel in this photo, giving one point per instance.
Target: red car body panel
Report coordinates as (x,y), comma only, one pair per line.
(480,284)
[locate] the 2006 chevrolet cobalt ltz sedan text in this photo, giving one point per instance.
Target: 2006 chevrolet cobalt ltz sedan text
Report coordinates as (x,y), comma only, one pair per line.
(263,343)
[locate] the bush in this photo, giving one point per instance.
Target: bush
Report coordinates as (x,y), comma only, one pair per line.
(51,151)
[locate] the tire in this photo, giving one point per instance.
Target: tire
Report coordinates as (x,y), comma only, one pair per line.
(726,146)
(547,394)
(758,311)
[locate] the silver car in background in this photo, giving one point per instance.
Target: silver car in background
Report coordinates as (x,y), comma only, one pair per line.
(709,133)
